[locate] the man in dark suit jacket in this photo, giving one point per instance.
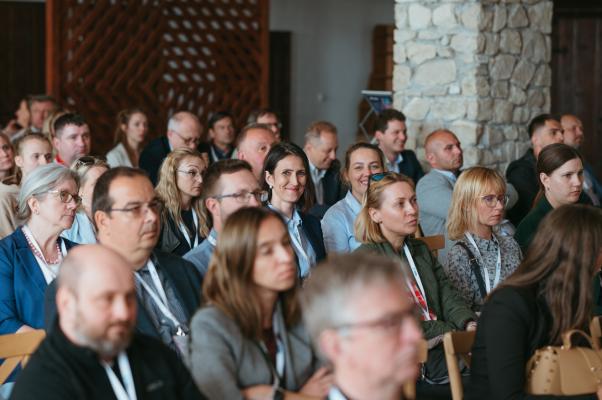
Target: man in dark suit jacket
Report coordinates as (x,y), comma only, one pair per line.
(321,148)
(93,339)
(391,135)
(543,130)
(183,130)
(126,213)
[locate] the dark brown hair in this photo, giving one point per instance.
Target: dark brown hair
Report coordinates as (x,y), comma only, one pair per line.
(551,158)
(560,264)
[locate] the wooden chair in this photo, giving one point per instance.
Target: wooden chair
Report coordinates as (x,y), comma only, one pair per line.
(457,344)
(434,243)
(15,349)
(409,389)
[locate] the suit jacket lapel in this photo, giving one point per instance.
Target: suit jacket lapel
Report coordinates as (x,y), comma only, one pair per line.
(28,261)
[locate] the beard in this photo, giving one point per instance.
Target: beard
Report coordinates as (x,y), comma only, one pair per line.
(100,342)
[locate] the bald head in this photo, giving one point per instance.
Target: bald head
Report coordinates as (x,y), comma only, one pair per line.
(443,150)
(573,130)
(96,300)
(184,130)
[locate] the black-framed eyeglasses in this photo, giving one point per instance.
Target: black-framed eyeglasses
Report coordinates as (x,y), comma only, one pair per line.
(66,197)
(245,196)
(138,209)
(188,140)
(491,200)
(388,323)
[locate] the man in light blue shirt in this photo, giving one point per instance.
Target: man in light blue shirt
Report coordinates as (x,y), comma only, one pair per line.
(228,185)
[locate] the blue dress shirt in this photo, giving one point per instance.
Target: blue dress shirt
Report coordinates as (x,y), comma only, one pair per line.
(338,225)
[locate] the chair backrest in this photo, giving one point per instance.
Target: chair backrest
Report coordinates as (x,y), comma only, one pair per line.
(434,243)
(15,349)
(457,344)
(409,388)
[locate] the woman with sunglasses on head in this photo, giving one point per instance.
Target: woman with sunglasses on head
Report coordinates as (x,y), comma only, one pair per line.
(88,169)
(560,174)
(480,258)
(130,133)
(180,186)
(361,161)
(385,225)
(546,297)
(291,193)
(248,340)
(30,257)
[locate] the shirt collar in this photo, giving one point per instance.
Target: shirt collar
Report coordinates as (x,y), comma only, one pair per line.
(295,219)
(315,172)
(448,174)
(352,202)
(335,394)
(393,165)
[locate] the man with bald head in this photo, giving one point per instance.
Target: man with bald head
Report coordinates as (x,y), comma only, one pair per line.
(126,213)
(183,131)
(573,136)
(93,351)
(254,143)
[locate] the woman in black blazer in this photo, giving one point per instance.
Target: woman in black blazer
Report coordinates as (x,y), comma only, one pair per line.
(548,295)
(180,186)
(291,191)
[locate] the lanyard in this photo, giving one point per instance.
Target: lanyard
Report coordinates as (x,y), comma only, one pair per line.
(278,371)
(498,264)
(425,310)
(129,392)
(195,222)
(47,270)
(161,298)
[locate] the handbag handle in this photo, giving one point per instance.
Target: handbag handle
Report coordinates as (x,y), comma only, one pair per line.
(567,336)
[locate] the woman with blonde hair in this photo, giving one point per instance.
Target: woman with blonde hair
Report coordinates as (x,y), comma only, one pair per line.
(130,134)
(248,340)
(385,225)
(480,258)
(180,186)
(88,169)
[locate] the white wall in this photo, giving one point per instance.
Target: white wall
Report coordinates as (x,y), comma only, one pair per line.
(331,59)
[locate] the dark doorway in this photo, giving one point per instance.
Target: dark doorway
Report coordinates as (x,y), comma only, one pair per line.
(280,78)
(577,70)
(22,60)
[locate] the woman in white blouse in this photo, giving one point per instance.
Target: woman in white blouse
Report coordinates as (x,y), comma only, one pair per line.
(131,131)
(361,161)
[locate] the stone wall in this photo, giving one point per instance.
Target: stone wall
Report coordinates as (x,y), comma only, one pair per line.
(478,68)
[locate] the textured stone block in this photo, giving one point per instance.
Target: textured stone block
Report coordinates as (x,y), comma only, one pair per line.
(540,16)
(468,132)
(418,52)
(500,16)
(499,89)
(436,72)
(523,73)
(517,17)
(401,77)
(510,41)
(444,16)
(417,108)
(502,111)
(448,109)
(419,16)
(471,14)
(517,95)
(465,42)
(502,66)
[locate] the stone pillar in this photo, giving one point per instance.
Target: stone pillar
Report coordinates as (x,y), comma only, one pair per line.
(478,68)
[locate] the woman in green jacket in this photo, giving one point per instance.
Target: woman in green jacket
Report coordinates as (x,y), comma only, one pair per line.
(388,219)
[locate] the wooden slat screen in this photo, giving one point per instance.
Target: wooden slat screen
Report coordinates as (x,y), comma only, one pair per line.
(162,56)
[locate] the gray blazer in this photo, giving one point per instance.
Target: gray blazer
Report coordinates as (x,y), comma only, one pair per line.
(223,361)
(434,193)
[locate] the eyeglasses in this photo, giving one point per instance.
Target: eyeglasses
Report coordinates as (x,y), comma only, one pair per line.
(277,125)
(245,196)
(491,200)
(67,197)
(139,209)
(188,141)
(87,160)
(390,323)
(378,177)
(191,173)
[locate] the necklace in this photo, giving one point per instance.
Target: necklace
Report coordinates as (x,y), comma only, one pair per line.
(39,254)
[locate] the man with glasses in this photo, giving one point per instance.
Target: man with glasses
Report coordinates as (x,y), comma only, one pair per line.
(183,130)
(228,185)
(359,314)
(267,116)
(126,213)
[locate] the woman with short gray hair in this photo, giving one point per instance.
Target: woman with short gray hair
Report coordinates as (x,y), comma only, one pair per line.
(31,255)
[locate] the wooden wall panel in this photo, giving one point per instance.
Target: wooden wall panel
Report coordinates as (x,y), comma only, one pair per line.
(162,56)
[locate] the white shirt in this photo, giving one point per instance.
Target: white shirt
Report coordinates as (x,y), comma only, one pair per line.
(316,176)
(394,166)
